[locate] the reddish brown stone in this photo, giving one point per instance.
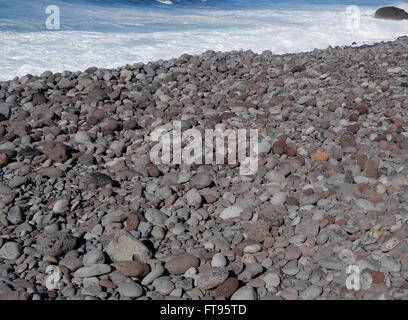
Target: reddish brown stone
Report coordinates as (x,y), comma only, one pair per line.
(119,165)
(371,168)
(353,117)
(378,277)
(353,237)
(362,109)
(56,151)
(373,196)
(292,201)
(363,188)
(361,159)
(22,115)
(153,171)
(226,115)
(227,288)
(4,159)
(111,125)
(278,147)
(132,268)
(114,94)
(181,263)
(353,128)
(119,199)
(246,214)
(91,121)
(341,222)
(308,192)
(170,199)
(130,124)
(132,222)
(325,221)
(268,242)
(290,151)
(210,198)
(306,251)
(399,123)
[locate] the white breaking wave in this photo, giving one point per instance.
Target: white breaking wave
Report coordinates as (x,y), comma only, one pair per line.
(278,31)
(165,1)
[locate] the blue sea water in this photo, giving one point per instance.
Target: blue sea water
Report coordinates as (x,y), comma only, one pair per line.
(150,15)
(110,33)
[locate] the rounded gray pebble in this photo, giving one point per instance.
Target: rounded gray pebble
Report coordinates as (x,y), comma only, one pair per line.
(130,289)
(10,251)
(311,292)
(244,293)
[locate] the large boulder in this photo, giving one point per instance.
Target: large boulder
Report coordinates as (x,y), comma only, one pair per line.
(391,13)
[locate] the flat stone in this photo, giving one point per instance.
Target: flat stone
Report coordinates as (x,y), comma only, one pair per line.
(17,181)
(390,244)
(51,172)
(253,248)
(227,288)
(72,263)
(92,271)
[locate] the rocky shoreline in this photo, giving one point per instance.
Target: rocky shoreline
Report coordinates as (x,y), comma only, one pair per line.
(83,205)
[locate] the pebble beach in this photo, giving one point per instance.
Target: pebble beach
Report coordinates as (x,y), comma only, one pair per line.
(79,194)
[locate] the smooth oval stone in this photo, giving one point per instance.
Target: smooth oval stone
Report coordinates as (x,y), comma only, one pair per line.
(130,289)
(10,251)
(92,271)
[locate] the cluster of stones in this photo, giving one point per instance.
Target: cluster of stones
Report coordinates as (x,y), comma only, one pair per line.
(79,191)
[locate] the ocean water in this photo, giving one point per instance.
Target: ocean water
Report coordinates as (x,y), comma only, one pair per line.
(111,33)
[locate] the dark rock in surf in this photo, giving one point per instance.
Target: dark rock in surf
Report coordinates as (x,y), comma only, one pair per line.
(391,13)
